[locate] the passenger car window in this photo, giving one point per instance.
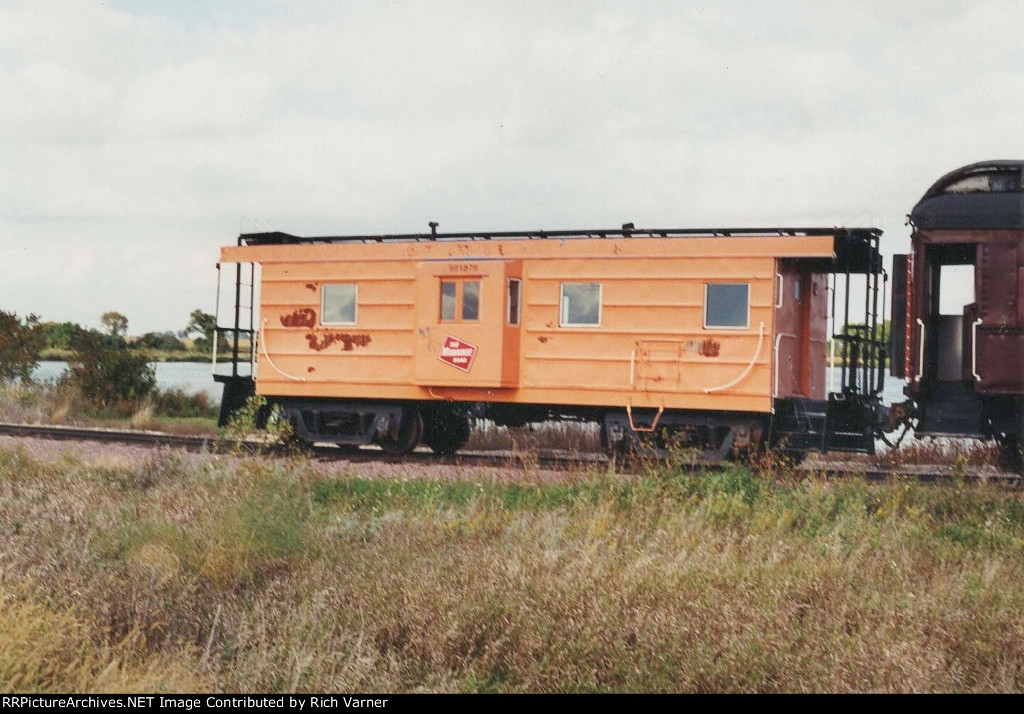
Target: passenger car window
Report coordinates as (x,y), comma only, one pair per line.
(338,304)
(580,305)
(727,305)
(986,182)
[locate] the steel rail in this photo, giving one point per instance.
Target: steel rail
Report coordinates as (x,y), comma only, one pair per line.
(76,433)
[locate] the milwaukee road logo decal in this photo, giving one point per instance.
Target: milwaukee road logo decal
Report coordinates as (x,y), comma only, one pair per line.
(457,353)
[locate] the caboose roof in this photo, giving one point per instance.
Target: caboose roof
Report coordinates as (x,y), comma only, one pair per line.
(852,249)
(281,238)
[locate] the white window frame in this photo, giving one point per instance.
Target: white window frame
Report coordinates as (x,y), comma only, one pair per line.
(745,326)
(562,312)
(355,303)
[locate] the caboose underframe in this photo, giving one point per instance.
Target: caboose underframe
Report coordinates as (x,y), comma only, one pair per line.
(711,338)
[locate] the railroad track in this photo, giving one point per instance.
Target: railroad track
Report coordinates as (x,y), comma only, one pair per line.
(918,472)
(117,436)
(545,458)
(323,453)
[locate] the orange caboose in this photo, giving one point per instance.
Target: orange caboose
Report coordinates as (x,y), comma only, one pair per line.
(710,337)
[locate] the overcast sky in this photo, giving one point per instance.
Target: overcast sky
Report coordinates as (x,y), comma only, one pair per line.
(138,137)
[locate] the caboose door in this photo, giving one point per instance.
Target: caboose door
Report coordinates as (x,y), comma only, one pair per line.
(801,319)
(467,315)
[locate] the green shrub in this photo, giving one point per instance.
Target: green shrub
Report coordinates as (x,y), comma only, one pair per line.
(59,335)
(177,402)
(107,373)
(159,341)
(21,341)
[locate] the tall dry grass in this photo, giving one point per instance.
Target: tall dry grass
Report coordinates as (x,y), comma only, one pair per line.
(251,575)
(170,410)
(56,649)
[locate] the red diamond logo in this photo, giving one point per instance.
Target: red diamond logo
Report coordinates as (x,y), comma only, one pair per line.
(457,353)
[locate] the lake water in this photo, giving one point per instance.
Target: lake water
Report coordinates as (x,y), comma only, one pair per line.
(188,376)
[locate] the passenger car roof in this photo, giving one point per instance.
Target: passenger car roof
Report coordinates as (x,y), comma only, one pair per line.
(1000,206)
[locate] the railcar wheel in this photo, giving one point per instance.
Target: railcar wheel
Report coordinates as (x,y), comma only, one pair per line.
(284,425)
(616,451)
(447,431)
(410,431)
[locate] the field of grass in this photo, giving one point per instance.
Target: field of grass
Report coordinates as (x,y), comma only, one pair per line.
(203,573)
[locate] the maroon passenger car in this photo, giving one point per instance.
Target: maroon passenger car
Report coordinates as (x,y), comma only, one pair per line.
(958,307)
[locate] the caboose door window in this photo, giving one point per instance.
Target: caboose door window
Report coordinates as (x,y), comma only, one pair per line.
(460,300)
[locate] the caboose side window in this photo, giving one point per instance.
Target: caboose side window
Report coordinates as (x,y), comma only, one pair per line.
(515,287)
(580,305)
(338,304)
(727,305)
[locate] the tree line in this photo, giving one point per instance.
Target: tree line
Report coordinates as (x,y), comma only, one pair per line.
(61,335)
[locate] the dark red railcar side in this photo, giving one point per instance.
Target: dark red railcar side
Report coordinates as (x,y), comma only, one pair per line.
(958,307)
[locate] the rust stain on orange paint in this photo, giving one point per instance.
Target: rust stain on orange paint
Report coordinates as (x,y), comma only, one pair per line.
(348,341)
(710,348)
(303,317)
